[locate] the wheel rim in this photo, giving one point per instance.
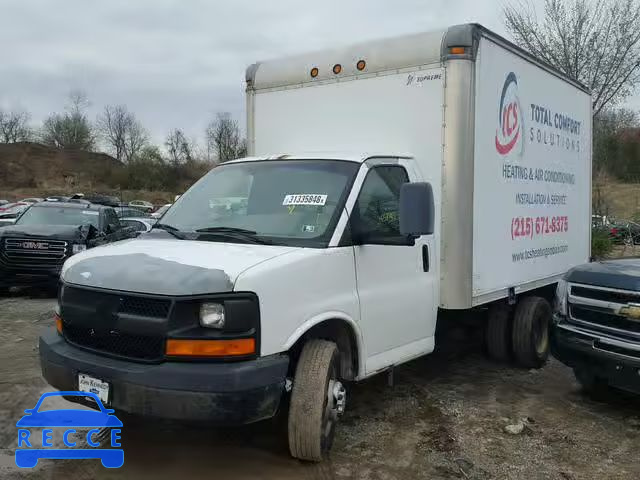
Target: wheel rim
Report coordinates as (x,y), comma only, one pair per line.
(335,406)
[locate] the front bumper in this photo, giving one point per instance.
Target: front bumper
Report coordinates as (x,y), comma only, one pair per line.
(29,278)
(228,393)
(608,358)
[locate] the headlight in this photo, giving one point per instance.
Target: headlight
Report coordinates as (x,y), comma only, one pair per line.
(78,247)
(561,297)
(212,315)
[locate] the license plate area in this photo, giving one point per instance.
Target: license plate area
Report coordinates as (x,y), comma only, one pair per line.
(87,383)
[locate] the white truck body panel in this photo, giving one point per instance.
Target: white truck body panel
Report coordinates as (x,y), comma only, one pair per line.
(532,195)
(443,111)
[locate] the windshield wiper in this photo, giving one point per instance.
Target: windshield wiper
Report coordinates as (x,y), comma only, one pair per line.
(169,228)
(226,230)
(232,232)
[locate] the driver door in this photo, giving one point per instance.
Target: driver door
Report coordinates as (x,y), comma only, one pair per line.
(395,275)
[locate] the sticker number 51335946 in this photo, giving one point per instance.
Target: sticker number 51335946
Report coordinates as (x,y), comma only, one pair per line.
(305,199)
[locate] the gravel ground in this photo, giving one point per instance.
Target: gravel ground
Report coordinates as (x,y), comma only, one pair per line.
(446,417)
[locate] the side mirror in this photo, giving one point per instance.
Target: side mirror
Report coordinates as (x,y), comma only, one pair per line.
(111,228)
(417,209)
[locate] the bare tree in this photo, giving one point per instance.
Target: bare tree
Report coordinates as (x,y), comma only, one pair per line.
(14,126)
(72,129)
(179,147)
(594,41)
(122,132)
(224,138)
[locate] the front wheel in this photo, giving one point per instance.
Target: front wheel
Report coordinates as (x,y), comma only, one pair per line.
(318,398)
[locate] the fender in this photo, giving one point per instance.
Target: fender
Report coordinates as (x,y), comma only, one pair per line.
(316,320)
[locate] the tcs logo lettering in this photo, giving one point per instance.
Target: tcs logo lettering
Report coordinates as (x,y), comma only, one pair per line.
(510,129)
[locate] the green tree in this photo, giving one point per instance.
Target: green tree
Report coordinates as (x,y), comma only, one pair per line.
(72,129)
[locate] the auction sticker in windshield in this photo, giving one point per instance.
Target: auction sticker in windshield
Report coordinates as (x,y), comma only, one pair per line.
(305,199)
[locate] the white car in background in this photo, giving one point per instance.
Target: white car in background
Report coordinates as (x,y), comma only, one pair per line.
(161,211)
(10,212)
(31,200)
(141,205)
(139,224)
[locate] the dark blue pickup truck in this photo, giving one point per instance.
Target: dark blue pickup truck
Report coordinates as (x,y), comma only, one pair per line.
(596,327)
(33,250)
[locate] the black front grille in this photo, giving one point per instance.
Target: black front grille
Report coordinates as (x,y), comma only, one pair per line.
(145,307)
(605,319)
(605,295)
(117,303)
(116,343)
(33,253)
(98,320)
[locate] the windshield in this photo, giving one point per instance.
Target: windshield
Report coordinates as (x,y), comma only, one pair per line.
(59,216)
(288,202)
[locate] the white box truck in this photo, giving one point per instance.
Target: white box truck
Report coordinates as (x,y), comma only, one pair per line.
(389,184)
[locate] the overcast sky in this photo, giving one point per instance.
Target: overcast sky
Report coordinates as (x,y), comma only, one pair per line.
(177,62)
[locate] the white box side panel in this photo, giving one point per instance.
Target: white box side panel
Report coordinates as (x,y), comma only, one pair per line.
(532,195)
(396,114)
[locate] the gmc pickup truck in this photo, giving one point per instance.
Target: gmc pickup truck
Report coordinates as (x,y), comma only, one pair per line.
(597,324)
(33,250)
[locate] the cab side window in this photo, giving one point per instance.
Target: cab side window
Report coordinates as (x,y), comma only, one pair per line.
(376,218)
(111,218)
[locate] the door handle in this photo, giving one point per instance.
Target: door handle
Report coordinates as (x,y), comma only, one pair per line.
(425,257)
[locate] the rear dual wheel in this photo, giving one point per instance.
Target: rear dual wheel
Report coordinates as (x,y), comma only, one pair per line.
(521,334)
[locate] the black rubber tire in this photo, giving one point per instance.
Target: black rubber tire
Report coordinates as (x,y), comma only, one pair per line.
(530,332)
(318,362)
(498,332)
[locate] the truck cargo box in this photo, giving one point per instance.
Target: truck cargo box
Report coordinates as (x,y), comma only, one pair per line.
(504,139)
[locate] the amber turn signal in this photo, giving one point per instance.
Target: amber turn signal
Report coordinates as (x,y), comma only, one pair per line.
(58,323)
(210,348)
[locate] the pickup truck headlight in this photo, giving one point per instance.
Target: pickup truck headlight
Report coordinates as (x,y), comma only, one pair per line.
(561,297)
(212,315)
(77,248)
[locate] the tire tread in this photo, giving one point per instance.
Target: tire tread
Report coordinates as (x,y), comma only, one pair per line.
(307,405)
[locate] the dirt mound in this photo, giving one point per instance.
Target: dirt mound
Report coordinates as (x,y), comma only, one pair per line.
(31,165)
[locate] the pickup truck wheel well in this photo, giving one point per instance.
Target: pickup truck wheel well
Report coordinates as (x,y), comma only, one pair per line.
(339,332)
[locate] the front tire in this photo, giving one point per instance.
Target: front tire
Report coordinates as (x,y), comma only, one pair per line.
(317,399)
(530,335)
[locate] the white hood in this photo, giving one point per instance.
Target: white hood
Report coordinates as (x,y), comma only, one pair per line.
(167,266)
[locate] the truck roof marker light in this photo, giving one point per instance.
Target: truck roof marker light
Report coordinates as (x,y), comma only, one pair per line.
(337,68)
(314,72)
(361,65)
(457,50)
(210,348)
